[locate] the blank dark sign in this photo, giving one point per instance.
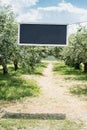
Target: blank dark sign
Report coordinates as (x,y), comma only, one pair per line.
(42,34)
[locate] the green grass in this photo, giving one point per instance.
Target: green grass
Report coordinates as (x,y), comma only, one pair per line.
(23,124)
(80,89)
(63,69)
(69,72)
(38,69)
(77,78)
(13,86)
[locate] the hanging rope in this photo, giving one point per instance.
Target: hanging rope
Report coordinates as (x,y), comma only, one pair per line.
(77,23)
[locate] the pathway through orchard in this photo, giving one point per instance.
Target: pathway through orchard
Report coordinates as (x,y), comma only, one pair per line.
(53,98)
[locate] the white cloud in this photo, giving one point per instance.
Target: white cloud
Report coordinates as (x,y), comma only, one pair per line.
(63,6)
(20,2)
(63,13)
(31,16)
(66,13)
(17,5)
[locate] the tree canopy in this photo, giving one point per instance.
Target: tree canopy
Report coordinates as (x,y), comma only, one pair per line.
(76,52)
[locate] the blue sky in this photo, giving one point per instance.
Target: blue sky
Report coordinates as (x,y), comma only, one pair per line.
(78,3)
(49,11)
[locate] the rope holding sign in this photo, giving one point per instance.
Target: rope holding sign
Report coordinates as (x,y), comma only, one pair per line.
(78,23)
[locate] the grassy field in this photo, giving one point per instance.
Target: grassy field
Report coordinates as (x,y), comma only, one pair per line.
(13,86)
(32,124)
(78,77)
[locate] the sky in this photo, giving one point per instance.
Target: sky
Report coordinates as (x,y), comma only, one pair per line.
(49,11)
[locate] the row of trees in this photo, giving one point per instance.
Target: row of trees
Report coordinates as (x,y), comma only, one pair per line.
(10,52)
(76,52)
(8,30)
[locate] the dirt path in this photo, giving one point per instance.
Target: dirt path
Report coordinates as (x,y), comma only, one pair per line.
(53,99)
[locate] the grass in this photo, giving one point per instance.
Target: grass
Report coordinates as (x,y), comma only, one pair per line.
(23,124)
(69,72)
(38,69)
(76,79)
(63,69)
(13,86)
(80,89)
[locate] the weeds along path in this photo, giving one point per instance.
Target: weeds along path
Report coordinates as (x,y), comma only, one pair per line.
(53,98)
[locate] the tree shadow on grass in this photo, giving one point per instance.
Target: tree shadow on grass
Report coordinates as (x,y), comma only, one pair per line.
(38,70)
(42,116)
(70,72)
(13,87)
(66,70)
(81,77)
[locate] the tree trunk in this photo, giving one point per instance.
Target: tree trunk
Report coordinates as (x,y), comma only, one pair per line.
(77,66)
(15,65)
(85,67)
(5,70)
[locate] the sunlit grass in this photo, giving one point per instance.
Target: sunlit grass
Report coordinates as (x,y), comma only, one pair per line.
(76,79)
(80,89)
(69,72)
(38,69)
(12,124)
(13,86)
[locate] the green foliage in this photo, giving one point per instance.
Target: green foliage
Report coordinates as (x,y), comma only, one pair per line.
(10,51)
(38,69)
(76,52)
(31,57)
(8,35)
(57,52)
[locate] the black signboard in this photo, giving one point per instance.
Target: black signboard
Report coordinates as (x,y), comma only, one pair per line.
(42,34)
